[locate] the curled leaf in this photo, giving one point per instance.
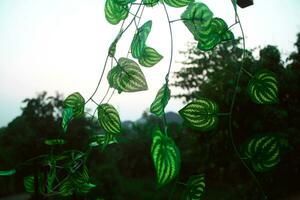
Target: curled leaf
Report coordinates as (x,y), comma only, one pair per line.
(109,118)
(150,57)
(160,101)
(76,102)
(138,43)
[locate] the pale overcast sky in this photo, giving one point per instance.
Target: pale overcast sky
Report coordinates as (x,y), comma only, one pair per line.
(60,45)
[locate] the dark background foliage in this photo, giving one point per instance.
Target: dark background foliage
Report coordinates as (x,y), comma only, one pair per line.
(124,170)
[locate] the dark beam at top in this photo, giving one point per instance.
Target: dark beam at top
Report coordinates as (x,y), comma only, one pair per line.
(244,3)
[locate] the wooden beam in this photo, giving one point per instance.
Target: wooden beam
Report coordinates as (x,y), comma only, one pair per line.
(244,3)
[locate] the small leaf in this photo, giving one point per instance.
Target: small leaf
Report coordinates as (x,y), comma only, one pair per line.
(114,12)
(263,88)
(138,43)
(195,187)
(127,77)
(66,118)
(201,114)
(150,57)
(106,139)
(263,151)
(166,158)
(178,3)
(160,101)
(53,142)
(7,172)
(29,184)
(150,3)
(76,102)
(113,46)
(109,118)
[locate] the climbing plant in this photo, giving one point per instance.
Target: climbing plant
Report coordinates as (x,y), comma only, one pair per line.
(67,173)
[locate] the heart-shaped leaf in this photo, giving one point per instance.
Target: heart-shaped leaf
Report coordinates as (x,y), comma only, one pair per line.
(263,88)
(166,158)
(150,57)
(127,77)
(160,101)
(7,172)
(195,188)
(178,3)
(201,114)
(138,43)
(263,151)
(76,102)
(109,118)
(114,12)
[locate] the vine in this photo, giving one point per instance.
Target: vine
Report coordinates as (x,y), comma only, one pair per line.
(126,75)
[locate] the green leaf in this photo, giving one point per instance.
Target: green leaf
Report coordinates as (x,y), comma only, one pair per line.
(263,151)
(195,188)
(51,176)
(263,88)
(7,172)
(76,102)
(161,100)
(127,77)
(138,43)
(166,158)
(29,184)
(123,2)
(109,118)
(215,33)
(67,116)
(201,114)
(178,3)
(197,18)
(114,12)
(53,142)
(106,139)
(150,57)
(150,3)
(113,46)
(66,188)
(227,35)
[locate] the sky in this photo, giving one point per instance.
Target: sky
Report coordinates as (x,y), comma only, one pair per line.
(61,45)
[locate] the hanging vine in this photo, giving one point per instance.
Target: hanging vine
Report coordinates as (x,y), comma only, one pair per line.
(126,75)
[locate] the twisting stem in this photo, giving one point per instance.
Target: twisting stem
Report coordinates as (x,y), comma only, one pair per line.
(232,106)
